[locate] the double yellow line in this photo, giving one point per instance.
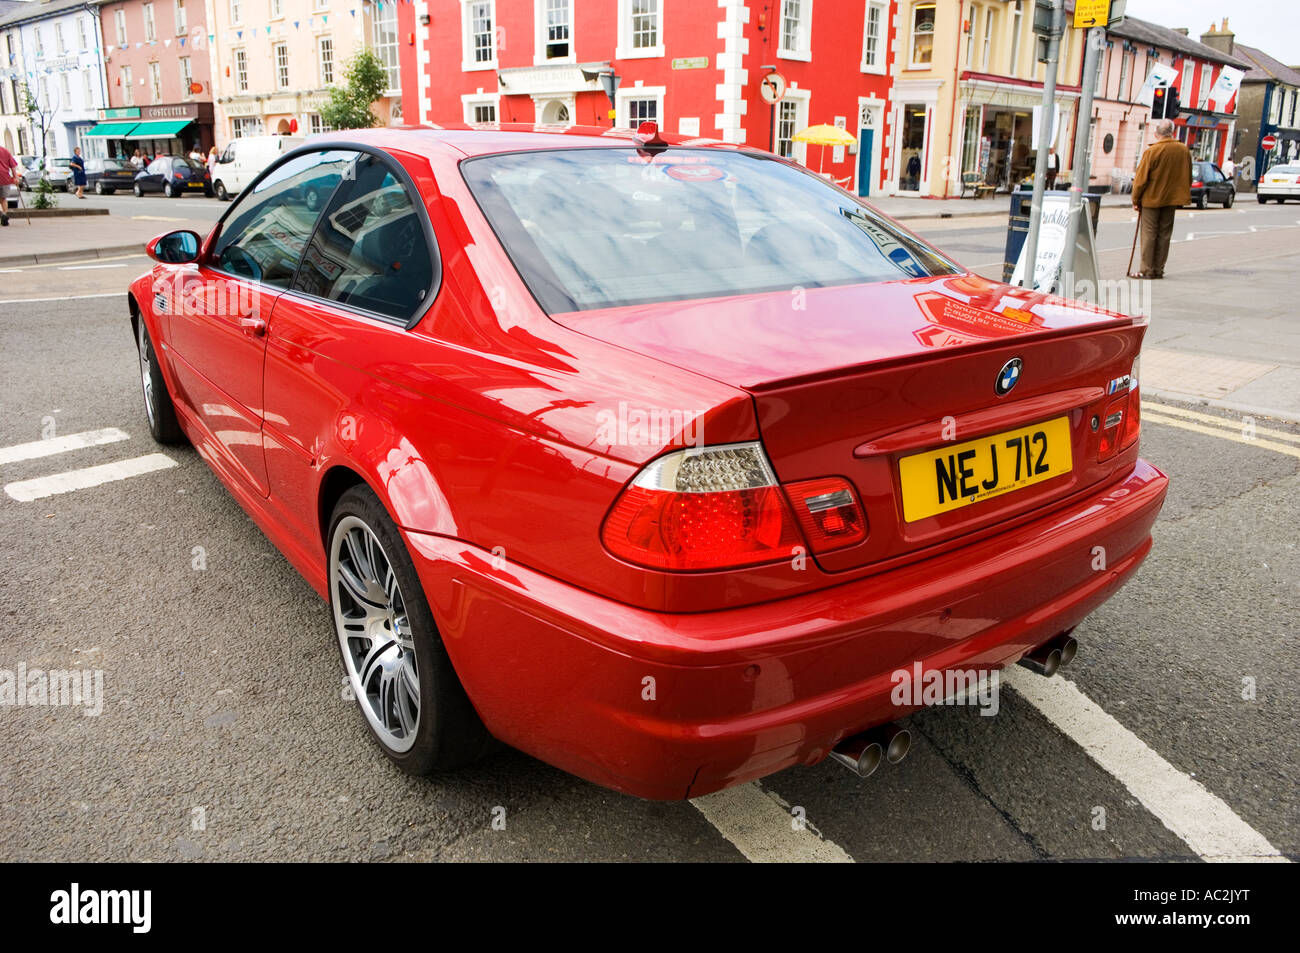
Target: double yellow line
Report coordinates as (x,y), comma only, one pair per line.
(1238,431)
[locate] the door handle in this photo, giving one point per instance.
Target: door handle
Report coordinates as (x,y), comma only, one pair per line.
(253,327)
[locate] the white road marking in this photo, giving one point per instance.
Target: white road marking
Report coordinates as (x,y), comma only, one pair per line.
(761,827)
(1201,819)
(24,491)
(73,441)
(88,267)
(106,294)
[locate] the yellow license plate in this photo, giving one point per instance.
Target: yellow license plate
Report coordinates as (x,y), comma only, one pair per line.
(952,477)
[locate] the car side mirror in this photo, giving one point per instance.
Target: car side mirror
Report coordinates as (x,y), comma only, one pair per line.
(174,248)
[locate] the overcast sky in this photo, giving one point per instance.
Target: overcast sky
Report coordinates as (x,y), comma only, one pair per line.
(1269,25)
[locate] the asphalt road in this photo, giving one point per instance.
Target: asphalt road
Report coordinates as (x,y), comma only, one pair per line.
(224,735)
(126,204)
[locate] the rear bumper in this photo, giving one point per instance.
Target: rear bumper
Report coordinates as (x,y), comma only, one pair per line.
(668,706)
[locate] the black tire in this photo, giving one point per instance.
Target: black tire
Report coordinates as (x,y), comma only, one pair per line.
(220,189)
(448,733)
(1227,203)
(160,412)
(1200,200)
(139,192)
(99,187)
(168,191)
(1262,200)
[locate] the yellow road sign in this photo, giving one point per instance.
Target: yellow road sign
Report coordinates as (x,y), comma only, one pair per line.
(1090,13)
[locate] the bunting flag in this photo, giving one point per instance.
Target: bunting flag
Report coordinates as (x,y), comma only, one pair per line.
(295,24)
(138,44)
(268,31)
(110,50)
(325,18)
(240,34)
(181,41)
(167,44)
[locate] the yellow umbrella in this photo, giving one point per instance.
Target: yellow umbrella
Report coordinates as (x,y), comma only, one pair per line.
(824,135)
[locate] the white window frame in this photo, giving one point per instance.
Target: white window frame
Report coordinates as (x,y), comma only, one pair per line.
(150,24)
(316,125)
(240,57)
(800,99)
(803,32)
(912,34)
(88,86)
(60,46)
(321,41)
(275,10)
(181,17)
(387,18)
(624,50)
(1207,84)
(66,88)
(1017,19)
(624,96)
(881,7)
(40,42)
(82,36)
(320,4)
(281,81)
(186,71)
(155,82)
(128,90)
(241,127)
(1185,90)
(540,38)
(990,22)
(468,63)
(236,12)
(968,37)
(470,100)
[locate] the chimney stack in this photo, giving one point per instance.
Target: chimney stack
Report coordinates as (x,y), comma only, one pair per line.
(1221,39)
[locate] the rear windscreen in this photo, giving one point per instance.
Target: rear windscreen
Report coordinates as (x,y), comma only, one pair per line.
(599,228)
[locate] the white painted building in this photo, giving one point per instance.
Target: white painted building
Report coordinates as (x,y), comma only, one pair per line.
(57,56)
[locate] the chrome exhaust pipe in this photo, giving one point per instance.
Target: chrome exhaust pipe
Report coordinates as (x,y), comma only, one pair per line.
(896,741)
(1069,647)
(1044,660)
(862,753)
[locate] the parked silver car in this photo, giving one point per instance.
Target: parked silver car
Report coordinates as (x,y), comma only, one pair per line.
(57,170)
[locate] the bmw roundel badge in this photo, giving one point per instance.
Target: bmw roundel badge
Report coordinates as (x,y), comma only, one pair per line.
(1008,376)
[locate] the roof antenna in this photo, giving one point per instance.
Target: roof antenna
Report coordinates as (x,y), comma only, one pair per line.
(651,143)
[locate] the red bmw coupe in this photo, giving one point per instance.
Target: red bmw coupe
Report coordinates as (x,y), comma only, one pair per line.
(655,458)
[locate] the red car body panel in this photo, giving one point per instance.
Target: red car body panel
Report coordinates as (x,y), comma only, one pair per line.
(478,430)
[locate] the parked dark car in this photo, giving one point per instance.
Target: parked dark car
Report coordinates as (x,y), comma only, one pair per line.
(1209,184)
(173,176)
(106,176)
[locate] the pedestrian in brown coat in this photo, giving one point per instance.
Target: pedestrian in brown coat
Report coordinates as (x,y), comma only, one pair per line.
(1163,184)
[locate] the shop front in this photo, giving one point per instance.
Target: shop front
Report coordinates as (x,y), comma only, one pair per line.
(1205,134)
(997,134)
(163,129)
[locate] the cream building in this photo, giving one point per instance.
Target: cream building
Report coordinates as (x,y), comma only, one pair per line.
(967,81)
(273,61)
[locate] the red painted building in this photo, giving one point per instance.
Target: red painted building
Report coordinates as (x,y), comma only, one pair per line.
(693,66)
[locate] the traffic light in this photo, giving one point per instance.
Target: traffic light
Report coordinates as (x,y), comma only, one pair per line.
(1164,102)
(1159,102)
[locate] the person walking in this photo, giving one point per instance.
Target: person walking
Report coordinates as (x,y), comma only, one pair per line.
(78,165)
(1229,169)
(1163,184)
(212,164)
(137,160)
(1053,168)
(8,176)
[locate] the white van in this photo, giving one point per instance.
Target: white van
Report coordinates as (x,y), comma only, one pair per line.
(244,160)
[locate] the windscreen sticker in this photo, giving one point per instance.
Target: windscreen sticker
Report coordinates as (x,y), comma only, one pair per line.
(695,173)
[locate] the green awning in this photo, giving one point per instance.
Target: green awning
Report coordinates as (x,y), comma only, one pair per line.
(112,130)
(158,129)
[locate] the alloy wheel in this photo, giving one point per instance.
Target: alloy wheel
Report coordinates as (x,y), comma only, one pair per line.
(146,372)
(375,634)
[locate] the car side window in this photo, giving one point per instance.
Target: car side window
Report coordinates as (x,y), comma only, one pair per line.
(157,167)
(265,233)
(370,250)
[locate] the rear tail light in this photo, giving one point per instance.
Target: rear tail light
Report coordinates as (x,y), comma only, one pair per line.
(1122,421)
(829,513)
(1198,185)
(703,508)
(179,175)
